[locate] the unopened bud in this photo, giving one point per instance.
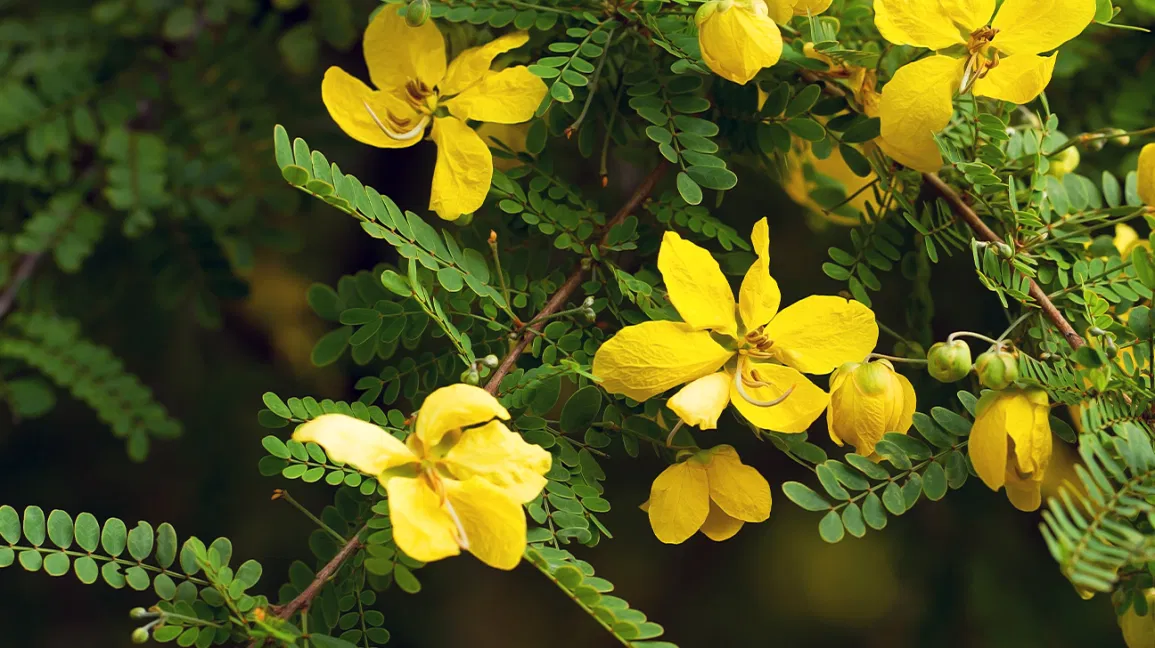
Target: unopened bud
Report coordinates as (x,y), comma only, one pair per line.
(588,302)
(997,369)
(1005,251)
(139,636)
(1095,330)
(1120,138)
(949,361)
(1111,348)
(588,313)
(1064,162)
(705,11)
(490,361)
(417,12)
(470,376)
(139,613)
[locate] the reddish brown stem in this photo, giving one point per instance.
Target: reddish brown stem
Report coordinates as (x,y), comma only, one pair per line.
(968,215)
(567,289)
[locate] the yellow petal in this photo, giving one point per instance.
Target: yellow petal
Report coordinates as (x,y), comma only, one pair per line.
(858,414)
(502,458)
(969,14)
(1146,175)
(740,41)
(494,524)
(471,65)
(1018,78)
(464,169)
(454,407)
(346,97)
(357,443)
(701,401)
(1024,494)
(811,7)
(780,11)
(646,359)
(759,297)
(916,104)
(397,53)
(922,23)
(719,526)
(1126,238)
(794,414)
(679,501)
(696,285)
(821,332)
(909,402)
(1035,26)
(988,440)
(1139,631)
(739,490)
(1028,425)
(507,97)
(421,527)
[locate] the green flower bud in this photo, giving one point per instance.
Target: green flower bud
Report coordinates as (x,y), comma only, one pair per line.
(1065,162)
(705,11)
(139,636)
(1111,348)
(490,361)
(417,12)
(471,376)
(997,369)
(949,361)
(139,613)
(1120,138)
(588,302)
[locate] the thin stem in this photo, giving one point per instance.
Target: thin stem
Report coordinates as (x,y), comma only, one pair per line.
(548,574)
(23,273)
(602,172)
(328,571)
(284,495)
(830,211)
(1091,137)
(883,356)
(593,90)
(674,431)
(1013,325)
(500,273)
(971,334)
(891,332)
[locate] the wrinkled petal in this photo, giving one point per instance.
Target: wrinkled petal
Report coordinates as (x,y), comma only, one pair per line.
(821,332)
(988,440)
(1024,494)
(1035,26)
(471,65)
(759,297)
(1139,630)
(354,442)
(909,403)
(507,97)
(1028,425)
(922,23)
(719,526)
(464,169)
(646,359)
(421,527)
(454,407)
(502,458)
(494,524)
(701,401)
(739,490)
(696,285)
(346,97)
(811,7)
(1146,175)
(856,417)
(916,104)
(780,11)
(679,501)
(969,14)
(397,53)
(795,414)
(739,42)
(1018,78)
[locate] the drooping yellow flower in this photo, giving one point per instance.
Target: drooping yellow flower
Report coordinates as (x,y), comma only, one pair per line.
(738,38)
(458,481)
(1020,415)
(415,88)
(1139,631)
(1001,61)
(867,400)
(759,364)
(1146,173)
(712,491)
(1127,239)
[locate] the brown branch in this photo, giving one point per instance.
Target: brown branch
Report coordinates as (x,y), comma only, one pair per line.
(23,273)
(968,215)
(559,298)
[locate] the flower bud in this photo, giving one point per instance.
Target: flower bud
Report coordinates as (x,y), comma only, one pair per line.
(139,613)
(1065,162)
(490,361)
(738,38)
(949,361)
(997,369)
(417,12)
(588,302)
(471,376)
(139,636)
(1120,136)
(867,400)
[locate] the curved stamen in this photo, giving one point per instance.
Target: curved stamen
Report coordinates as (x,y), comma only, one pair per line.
(739,379)
(460,535)
(414,132)
(670,438)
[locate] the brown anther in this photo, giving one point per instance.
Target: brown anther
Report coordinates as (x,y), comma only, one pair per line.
(605,181)
(492,237)
(277,494)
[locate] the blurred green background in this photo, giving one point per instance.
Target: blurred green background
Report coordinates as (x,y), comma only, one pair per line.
(967,571)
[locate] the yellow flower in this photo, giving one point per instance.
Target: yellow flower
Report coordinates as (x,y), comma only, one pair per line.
(738,38)
(814,335)
(867,400)
(416,88)
(1139,631)
(1146,173)
(997,58)
(1127,239)
(458,482)
(1022,416)
(806,174)
(712,491)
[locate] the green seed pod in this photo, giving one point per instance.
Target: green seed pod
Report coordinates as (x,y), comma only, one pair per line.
(417,12)
(139,636)
(949,361)
(997,369)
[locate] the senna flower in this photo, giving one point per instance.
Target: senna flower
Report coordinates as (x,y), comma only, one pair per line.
(754,359)
(738,38)
(458,481)
(999,59)
(415,88)
(1139,630)
(1146,175)
(1022,416)
(712,491)
(867,400)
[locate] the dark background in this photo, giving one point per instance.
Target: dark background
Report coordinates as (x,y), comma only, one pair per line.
(967,571)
